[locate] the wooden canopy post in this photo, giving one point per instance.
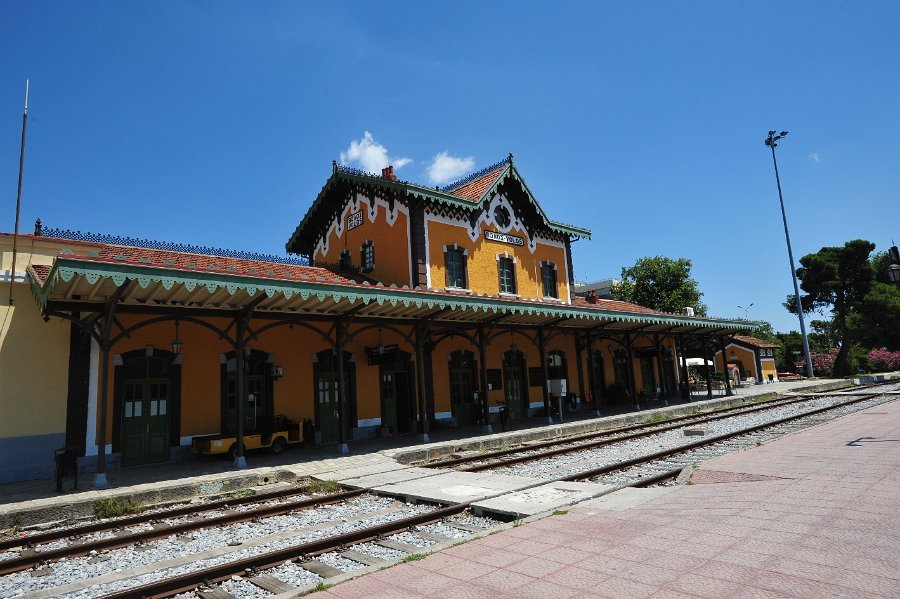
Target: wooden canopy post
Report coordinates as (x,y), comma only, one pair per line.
(105,325)
(546,372)
(482,378)
(632,385)
(592,384)
(685,376)
(728,391)
(706,365)
(664,388)
(579,363)
(420,379)
(340,333)
(240,322)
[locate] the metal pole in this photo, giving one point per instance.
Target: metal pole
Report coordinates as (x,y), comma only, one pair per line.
(787,237)
(12,269)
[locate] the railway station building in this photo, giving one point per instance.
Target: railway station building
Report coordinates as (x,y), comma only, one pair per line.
(407,307)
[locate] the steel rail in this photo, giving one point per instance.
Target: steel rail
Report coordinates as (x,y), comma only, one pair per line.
(191,580)
(586,436)
(645,433)
(23,562)
(658,455)
(104,525)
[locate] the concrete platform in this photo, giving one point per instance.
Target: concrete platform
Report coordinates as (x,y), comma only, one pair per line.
(375,480)
(536,500)
(457,487)
(812,515)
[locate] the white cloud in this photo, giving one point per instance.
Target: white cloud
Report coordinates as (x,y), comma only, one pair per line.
(370,155)
(445,168)
(814,157)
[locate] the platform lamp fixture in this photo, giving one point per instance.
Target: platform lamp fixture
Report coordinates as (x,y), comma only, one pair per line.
(747,309)
(177,343)
(771,143)
(893,270)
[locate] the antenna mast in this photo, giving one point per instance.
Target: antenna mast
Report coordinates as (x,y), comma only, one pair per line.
(12,269)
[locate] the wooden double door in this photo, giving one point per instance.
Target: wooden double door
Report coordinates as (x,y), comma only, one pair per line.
(145,418)
(515,384)
(147,406)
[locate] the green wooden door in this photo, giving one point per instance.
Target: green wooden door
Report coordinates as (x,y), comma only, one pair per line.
(462,387)
(648,377)
(389,401)
(514,382)
(255,403)
(328,407)
(145,414)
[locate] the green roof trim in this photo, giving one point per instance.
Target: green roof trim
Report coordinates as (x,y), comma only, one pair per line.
(431,195)
(66,268)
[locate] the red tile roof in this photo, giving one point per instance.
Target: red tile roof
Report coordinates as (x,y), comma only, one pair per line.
(197,262)
(473,190)
(754,342)
(615,305)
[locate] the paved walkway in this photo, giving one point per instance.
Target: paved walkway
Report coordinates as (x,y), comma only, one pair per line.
(815,514)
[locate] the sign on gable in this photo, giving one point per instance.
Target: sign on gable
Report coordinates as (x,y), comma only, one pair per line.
(354,220)
(503,238)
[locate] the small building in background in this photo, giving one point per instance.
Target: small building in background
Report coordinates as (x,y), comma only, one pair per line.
(754,358)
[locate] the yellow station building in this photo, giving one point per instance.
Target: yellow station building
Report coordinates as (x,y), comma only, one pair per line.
(404,308)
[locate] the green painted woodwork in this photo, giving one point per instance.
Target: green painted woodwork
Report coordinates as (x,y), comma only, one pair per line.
(515,384)
(65,268)
(419,193)
(328,422)
(145,417)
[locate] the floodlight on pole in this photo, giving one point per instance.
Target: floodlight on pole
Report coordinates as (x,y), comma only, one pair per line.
(746,309)
(771,143)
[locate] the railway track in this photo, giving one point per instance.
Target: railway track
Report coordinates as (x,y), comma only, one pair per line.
(67,543)
(572,445)
(304,547)
(664,465)
(482,456)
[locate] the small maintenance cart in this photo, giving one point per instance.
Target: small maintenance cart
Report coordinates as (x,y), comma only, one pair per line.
(277,441)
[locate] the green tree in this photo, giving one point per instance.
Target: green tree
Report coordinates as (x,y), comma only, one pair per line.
(660,283)
(877,323)
(837,278)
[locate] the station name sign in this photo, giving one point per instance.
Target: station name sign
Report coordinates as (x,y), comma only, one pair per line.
(503,238)
(354,220)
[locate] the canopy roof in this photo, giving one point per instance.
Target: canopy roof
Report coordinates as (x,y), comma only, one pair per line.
(159,282)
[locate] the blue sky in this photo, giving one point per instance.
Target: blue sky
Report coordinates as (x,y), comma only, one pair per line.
(216,122)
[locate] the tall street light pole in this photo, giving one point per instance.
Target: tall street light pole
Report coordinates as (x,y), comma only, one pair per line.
(746,310)
(771,142)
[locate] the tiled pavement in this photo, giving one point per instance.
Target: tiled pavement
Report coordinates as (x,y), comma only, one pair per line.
(804,516)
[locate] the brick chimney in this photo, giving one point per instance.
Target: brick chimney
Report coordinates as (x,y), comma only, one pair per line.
(388,173)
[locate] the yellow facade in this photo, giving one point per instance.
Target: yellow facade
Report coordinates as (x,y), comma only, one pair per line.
(482,260)
(769,369)
(387,229)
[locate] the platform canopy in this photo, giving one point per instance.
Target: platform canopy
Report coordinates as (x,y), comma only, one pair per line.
(152,281)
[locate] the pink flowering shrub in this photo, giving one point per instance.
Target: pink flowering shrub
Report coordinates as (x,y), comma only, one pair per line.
(823,363)
(882,359)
